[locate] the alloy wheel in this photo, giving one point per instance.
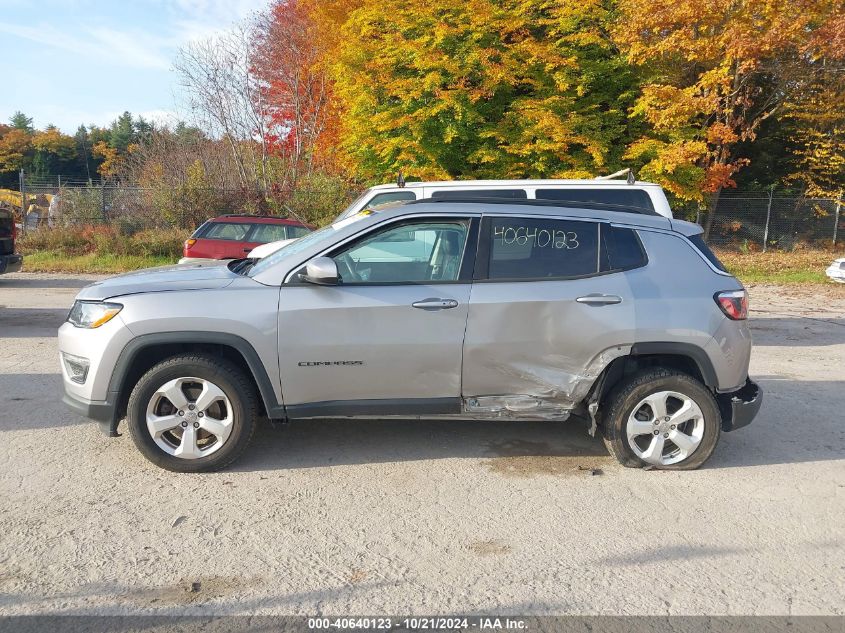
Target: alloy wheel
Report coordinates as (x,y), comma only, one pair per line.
(189,417)
(665,428)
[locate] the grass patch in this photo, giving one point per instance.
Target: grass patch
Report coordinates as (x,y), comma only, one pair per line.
(803,266)
(51,262)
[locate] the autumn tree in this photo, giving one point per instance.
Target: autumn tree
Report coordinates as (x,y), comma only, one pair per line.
(815,114)
(715,71)
(286,60)
(227,99)
(477,88)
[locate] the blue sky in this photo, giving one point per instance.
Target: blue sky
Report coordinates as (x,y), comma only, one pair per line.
(69,62)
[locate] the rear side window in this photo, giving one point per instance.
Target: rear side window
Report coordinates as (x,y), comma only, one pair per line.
(235,231)
(698,242)
(393,196)
(263,233)
(622,249)
(632,198)
(531,248)
(297,231)
(508,194)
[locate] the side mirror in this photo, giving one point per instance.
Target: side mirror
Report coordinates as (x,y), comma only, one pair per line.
(322,271)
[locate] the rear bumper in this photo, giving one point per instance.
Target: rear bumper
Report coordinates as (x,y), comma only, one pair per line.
(741,406)
(10,263)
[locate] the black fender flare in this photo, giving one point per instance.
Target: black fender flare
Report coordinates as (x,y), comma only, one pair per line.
(131,351)
(671,348)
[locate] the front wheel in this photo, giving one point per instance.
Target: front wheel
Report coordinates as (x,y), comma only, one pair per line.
(192,413)
(661,418)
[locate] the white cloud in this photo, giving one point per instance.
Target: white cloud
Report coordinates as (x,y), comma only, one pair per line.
(134,49)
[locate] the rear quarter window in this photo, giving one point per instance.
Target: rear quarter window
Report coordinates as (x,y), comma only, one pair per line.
(622,249)
(698,242)
(632,198)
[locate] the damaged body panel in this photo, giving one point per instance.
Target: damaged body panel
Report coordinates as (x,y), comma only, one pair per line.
(548,402)
(530,347)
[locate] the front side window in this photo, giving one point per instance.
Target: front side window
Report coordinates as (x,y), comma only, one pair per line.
(532,248)
(418,252)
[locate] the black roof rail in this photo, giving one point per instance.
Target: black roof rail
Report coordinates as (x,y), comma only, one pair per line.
(566,204)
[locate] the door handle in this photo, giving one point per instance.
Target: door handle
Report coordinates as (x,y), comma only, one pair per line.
(599,299)
(246,250)
(435,303)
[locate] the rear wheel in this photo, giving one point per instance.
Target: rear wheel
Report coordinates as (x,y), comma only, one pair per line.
(192,413)
(661,418)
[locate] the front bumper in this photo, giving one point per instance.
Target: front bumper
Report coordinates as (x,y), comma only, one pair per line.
(741,406)
(104,412)
(10,263)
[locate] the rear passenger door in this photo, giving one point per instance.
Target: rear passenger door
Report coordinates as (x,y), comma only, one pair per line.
(548,309)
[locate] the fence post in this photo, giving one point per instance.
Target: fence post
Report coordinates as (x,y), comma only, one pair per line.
(836,220)
(23,202)
(103,199)
(768,218)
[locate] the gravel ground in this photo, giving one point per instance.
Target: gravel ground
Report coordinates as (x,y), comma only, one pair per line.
(427,517)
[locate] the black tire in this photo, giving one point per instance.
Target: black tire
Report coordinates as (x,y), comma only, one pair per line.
(619,405)
(239,389)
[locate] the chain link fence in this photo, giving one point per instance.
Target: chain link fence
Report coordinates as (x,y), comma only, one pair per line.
(767,220)
(58,202)
(743,220)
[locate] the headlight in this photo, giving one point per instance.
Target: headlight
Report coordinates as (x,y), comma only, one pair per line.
(91,315)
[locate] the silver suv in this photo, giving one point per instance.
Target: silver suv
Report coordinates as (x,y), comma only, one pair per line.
(457,309)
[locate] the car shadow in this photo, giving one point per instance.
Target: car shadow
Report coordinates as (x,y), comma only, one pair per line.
(782,433)
(797,331)
(20,281)
(22,403)
(31,322)
(319,443)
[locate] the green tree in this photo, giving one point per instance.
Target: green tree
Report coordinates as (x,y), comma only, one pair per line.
(122,133)
(22,122)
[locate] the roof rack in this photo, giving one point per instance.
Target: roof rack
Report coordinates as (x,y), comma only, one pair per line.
(566,204)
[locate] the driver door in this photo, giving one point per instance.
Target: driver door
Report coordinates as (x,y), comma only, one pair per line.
(388,339)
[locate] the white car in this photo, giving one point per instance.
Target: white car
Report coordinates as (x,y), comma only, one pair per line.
(645,197)
(269,248)
(836,271)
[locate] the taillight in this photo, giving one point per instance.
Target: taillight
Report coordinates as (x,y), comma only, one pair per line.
(734,303)
(189,243)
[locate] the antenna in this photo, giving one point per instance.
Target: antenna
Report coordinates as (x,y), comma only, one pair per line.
(400,180)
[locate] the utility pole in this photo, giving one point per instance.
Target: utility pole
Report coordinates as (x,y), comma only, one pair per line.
(768,218)
(836,221)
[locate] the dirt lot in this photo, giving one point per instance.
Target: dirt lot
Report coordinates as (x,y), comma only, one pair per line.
(423,517)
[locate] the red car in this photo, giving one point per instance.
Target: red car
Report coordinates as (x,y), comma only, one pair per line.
(234,236)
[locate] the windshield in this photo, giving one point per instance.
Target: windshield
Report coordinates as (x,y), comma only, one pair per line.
(302,243)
